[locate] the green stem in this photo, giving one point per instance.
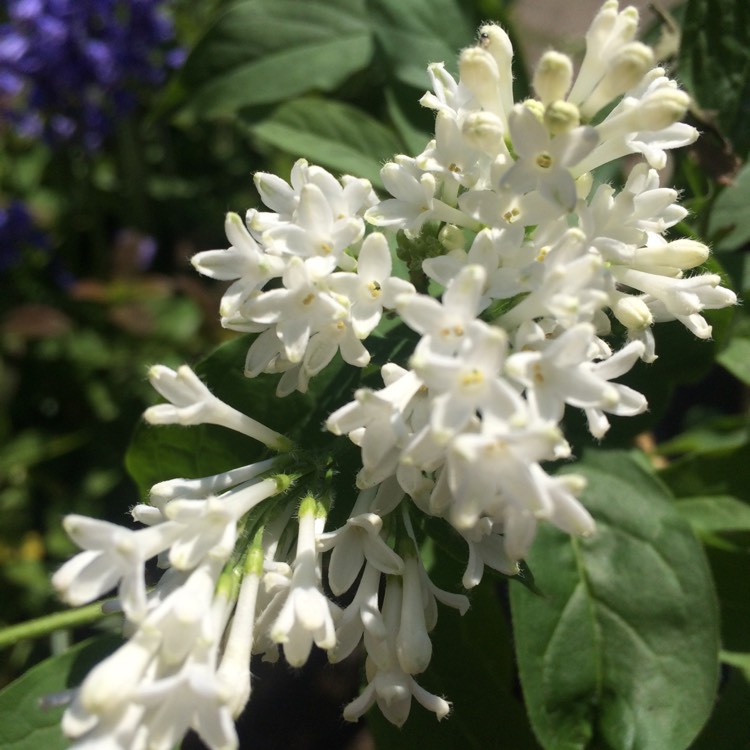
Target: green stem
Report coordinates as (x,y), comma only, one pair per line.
(49,623)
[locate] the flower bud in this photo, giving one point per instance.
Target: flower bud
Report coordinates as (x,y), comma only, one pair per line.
(627,69)
(480,75)
(484,131)
(663,108)
(114,680)
(553,76)
(561,116)
(608,33)
(682,253)
(610,27)
(633,313)
(584,184)
(452,238)
(496,41)
(413,645)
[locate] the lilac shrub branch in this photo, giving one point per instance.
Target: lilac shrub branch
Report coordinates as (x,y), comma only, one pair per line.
(534,260)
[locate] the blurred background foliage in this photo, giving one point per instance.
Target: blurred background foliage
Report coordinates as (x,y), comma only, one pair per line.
(129,127)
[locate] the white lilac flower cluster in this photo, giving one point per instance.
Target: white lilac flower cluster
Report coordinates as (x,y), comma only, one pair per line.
(534,262)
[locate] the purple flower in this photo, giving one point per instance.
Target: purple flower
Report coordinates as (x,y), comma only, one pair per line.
(17,232)
(69,68)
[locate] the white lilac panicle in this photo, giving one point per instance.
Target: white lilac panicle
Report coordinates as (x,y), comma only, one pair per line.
(533,289)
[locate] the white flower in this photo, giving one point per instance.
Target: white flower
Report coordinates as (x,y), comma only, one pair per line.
(361,614)
(414,195)
(114,556)
(209,526)
(388,684)
(171,489)
(192,404)
(414,201)
(544,162)
(300,308)
(563,371)
(491,471)
(378,421)
(609,32)
(112,683)
(234,669)
(413,644)
(243,261)
(347,198)
(193,696)
(372,287)
(451,156)
(180,615)
(353,544)
(316,231)
(307,615)
(443,325)
(680,299)
(570,289)
(486,548)
(449,95)
(467,383)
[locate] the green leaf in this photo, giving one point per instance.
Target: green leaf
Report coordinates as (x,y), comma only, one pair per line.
(333,134)
(723,472)
(709,515)
(27,725)
(416,33)
(714,63)
(266,51)
(739,660)
(719,435)
(736,356)
(621,651)
(729,220)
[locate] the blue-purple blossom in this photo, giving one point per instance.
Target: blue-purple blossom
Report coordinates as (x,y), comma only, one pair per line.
(70,67)
(17,232)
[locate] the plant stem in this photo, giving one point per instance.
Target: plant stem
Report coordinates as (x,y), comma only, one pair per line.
(49,623)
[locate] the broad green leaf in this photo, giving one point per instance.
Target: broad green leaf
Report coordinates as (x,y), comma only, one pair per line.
(715,514)
(712,436)
(725,472)
(621,649)
(266,51)
(729,220)
(333,134)
(25,724)
(736,356)
(472,666)
(714,63)
(415,33)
